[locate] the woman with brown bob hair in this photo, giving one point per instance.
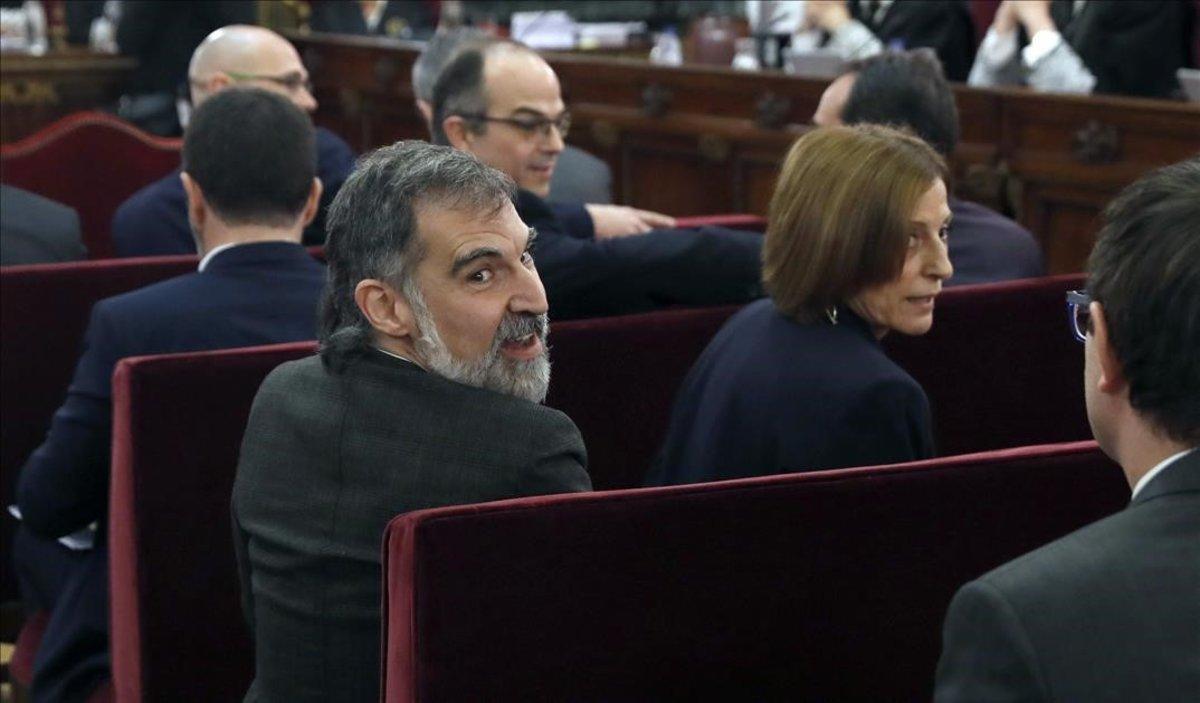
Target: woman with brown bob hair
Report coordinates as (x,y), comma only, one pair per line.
(855,248)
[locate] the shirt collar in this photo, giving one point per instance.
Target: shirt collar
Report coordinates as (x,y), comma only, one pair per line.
(394,355)
(213,252)
(1149,475)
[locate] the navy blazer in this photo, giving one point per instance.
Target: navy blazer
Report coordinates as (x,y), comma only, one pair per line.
(770,396)
(986,247)
(154,220)
(251,294)
(585,276)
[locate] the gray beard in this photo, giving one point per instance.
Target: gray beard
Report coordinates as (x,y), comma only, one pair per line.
(527,379)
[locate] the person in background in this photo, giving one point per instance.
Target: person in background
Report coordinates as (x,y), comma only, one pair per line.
(161,36)
(855,249)
(1087,46)
(394,19)
(37,230)
(907,89)
(859,29)
(249,172)
(427,392)
(502,103)
(578,176)
(1111,612)
(153,221)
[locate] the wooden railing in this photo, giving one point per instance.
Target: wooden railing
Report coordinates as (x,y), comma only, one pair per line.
(697,140)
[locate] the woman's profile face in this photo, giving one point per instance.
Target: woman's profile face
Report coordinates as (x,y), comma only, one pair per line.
(905,303)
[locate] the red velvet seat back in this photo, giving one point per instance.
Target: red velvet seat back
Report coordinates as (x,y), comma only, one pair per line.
(177,629)
(92,162)
(826,586)
(43,314)
(1000,366)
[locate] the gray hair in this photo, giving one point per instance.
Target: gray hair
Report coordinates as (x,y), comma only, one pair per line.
(372,222)
(436,54)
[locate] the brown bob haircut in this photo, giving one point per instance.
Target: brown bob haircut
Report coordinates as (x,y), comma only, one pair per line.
(839,219)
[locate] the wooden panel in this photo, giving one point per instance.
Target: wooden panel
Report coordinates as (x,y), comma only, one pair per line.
(699,140)
(38,90)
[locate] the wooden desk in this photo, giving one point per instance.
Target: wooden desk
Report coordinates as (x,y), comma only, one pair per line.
(37,90)
(700,140)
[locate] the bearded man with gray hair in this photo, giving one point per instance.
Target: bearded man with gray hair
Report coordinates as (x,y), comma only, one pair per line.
(426,392)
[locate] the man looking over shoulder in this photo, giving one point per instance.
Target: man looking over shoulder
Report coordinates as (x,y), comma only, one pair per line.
(249,175)
(578,176)
(153,221)
(426,393)
(502,103)
(908,89)
(1111,612)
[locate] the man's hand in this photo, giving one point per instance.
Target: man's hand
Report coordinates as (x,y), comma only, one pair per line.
(825,14)
(621,221)
(1005,21)
(1033,14)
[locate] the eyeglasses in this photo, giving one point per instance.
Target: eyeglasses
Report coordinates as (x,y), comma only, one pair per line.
(292,82)
(1079,315)
(531,126)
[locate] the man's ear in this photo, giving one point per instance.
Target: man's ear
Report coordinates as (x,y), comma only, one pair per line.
(1112,376)
(385,308)
(457,132)
(197,206)
(313,203)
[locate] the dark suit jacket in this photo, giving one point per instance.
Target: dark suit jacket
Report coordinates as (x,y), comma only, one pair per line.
(250,294)
(1110,612)
(327,461)
(37,230)
(587,277)
(772,396)
(1132,48)
(247,295)
(154,220)
(986,247)
(942,25)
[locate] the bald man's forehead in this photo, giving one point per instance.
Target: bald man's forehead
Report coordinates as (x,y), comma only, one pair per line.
(245,49)
(510,75)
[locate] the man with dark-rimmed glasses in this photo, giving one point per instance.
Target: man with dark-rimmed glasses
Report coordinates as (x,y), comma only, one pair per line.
(502,102)
(1112,611)
(153,221)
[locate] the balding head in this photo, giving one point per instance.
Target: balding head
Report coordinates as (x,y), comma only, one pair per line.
(250,55)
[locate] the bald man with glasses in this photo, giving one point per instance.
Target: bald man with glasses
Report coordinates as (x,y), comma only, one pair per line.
(153,221)
(502,102)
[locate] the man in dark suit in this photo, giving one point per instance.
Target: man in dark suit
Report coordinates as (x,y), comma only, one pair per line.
(1111,612)
(154,221)
(859,29)
(37,230)
(578,176)
(426,392)
(907,88)
(503,104)
(1101,46)
(250,178)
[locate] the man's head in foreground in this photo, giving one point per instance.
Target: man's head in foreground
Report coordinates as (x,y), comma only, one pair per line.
(249,169)
(248,55)
(429,260)
(1142,364)
(900,89)
(502,103)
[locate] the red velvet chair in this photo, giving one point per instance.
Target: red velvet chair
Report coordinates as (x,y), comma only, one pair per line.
(91,161)
(43,313)
(747,222)
(826,586)
(177,628)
